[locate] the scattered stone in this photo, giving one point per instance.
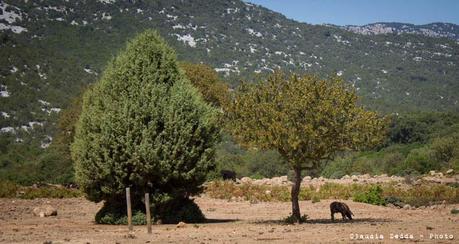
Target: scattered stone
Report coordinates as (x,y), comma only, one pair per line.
(432,172)
(365,176)
(407,206)
(450,171)
(268,192)
(181,224)
(45,211)
(130,235)
(390,205)
(346,177)
(307,178)
(246,180)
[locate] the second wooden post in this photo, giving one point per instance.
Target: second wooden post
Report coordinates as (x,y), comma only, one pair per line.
(129,210)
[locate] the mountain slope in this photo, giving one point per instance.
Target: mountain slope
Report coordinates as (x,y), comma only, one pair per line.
(51,49)
(433,30)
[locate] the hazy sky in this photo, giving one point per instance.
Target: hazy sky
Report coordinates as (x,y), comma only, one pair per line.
(360,12)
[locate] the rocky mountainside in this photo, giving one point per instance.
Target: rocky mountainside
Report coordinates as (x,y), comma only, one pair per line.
(51,49)
(432,30)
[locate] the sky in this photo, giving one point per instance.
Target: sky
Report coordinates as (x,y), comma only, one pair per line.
(360,12)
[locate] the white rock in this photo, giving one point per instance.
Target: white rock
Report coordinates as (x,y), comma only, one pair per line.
(45,211)
(181,224)
(365,176)
(246,180)
(307,178)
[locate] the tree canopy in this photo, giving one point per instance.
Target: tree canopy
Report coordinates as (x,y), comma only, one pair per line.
(203,77)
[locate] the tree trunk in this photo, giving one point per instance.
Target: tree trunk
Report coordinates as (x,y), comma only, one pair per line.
(295,192)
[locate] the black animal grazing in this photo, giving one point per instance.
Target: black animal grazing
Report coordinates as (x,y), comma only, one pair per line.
(228,175)
(340,207)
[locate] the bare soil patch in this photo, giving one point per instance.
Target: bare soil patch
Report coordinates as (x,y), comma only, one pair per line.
(229,222)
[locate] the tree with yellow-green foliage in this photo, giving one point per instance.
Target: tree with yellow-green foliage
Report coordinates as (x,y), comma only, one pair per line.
(203,77)
(306,119)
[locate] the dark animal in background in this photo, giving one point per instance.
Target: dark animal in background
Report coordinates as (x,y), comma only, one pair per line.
(228,175)
(340,207)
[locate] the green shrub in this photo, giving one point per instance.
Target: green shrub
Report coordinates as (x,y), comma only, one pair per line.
(170,212)
(454,211)
(372,196)
(424,195)
(445,148)
(49,192)
(315,199)
(419,160)
(8,189)
(396,201)
(337,175)
(174,211)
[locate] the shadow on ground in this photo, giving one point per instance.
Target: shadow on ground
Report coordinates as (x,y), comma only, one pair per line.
(216,221)
(371,221)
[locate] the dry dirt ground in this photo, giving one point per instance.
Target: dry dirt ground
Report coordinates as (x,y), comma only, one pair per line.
(229,222)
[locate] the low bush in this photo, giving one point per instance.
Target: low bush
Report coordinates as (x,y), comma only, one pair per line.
(373,196)
(315,199)
(8,189)
(396,201)
(169,212)
(48,192)
(424,195)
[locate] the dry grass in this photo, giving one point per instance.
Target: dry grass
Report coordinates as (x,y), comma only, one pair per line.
(421,195)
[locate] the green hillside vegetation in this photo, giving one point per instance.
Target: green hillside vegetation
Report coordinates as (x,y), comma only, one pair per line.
(68,43)
(417,143)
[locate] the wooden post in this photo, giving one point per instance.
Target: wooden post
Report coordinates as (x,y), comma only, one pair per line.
(148,215)
(129,210)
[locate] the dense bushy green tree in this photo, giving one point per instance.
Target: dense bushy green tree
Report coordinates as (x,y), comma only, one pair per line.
(306,119)
(144,126)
